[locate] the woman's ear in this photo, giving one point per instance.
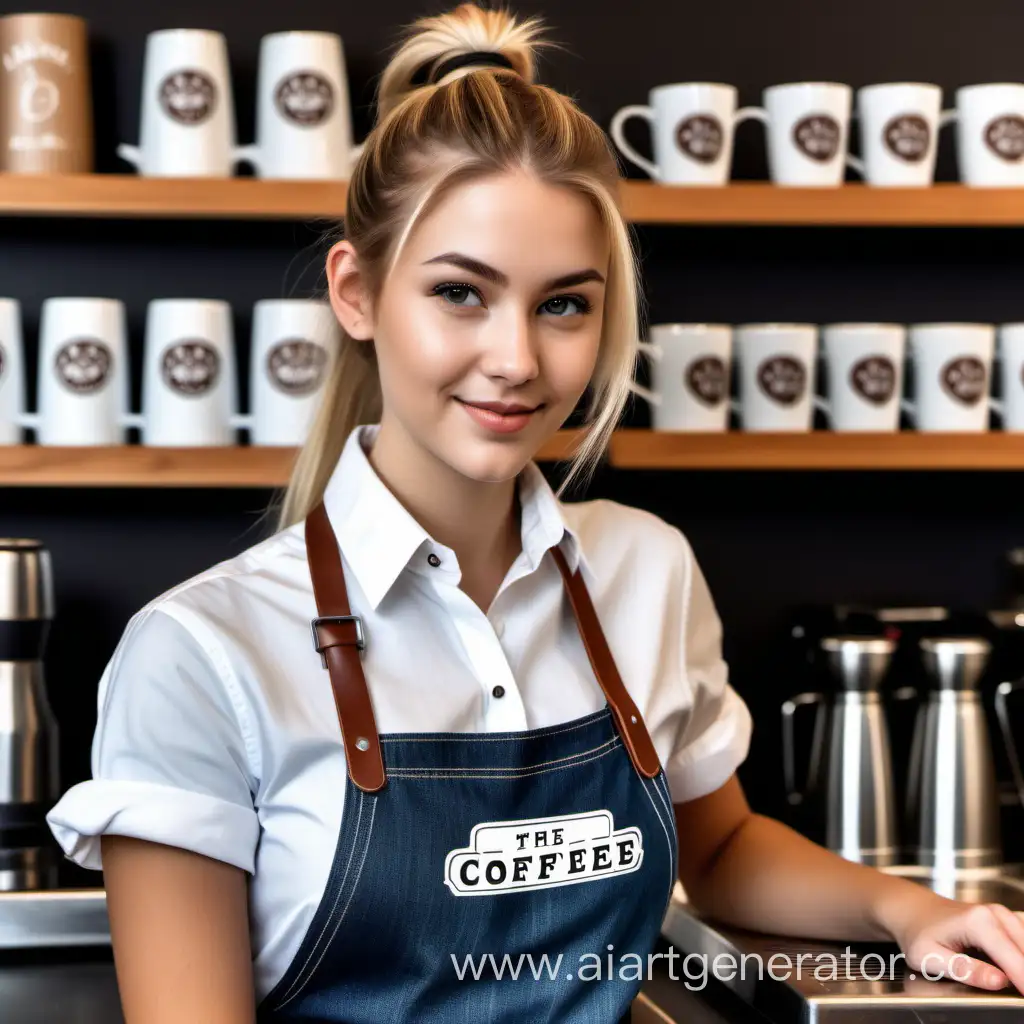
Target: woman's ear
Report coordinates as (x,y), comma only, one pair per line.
(349,295)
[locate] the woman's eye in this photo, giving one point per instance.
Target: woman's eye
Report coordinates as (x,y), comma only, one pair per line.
(459,294)
(566,305)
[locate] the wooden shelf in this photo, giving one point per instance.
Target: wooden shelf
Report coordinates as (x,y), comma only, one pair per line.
(127,196)
(33,465)
(821,450)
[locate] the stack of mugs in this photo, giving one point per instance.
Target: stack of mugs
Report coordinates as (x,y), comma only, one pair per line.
(939,375)
(304,127)
(189,381)
(808,125)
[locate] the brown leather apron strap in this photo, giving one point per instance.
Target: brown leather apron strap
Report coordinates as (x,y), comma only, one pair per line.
(338,638)
(628,719)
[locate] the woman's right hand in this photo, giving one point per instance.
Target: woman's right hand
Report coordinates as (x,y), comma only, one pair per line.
(180,931)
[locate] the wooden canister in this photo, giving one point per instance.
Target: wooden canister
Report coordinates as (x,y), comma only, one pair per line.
(46,122)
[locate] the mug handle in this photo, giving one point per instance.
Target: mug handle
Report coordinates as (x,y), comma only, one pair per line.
(620,118)
(910,408)
(131,419)
(822,404)
(131,155)
(655,352)
(645,393)
(948,117)
(28,420)
(247,155)
(750,114)
(240,421)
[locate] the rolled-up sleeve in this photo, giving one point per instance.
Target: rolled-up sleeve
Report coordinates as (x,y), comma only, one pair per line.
(169,761)
(714,737)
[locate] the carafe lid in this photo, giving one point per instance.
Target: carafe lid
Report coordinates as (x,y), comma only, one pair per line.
(955,662)
(858,663)
(26,580)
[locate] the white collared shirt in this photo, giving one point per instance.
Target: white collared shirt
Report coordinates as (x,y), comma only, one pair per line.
(217,730)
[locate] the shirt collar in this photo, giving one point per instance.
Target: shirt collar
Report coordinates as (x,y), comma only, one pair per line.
(379,537)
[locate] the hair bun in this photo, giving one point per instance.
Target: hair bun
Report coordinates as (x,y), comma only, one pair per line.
(468,36)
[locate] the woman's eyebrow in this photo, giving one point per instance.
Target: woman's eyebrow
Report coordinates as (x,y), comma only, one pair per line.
(495,276)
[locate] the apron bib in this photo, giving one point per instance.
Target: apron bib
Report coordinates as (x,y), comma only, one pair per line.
(502,877)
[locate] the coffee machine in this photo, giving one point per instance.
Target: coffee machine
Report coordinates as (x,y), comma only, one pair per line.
(29,765)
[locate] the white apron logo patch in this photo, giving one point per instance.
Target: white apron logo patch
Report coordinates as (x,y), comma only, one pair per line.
(538,853)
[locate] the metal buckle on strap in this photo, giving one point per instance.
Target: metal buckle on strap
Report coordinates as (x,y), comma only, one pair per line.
(360,636)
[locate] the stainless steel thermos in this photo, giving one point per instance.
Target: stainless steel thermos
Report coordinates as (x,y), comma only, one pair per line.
(29,771)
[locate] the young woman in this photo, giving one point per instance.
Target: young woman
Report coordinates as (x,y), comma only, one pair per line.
(508,730)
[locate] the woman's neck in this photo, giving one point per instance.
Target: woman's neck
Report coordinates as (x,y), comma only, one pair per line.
(478,520)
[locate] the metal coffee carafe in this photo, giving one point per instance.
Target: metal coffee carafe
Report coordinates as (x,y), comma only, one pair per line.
(850,764)
(29,775)
(952,793)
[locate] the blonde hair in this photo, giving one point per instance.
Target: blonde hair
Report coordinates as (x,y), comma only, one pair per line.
(487,120)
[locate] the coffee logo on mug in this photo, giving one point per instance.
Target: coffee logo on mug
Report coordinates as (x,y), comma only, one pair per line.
(874,379)
(83,365)
(817,137)
(188,96)
(907,136)
(296,366)
(190,367)
(305,98)
(708,379)
(964,379)
(1005,137)
(700,137)
(783,379)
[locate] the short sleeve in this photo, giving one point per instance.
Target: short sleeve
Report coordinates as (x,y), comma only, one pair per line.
(169,761)
(715,735)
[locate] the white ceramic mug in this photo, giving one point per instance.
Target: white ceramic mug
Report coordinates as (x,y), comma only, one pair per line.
(12,373)
(188,115)
(864,374)
(952,366)
(83,384)
(690,373)
(692,126)
(808,125)
(303,114)
(776,379)
(990,134)
(1010,367)
(294,343)
(189,376)
(899,127)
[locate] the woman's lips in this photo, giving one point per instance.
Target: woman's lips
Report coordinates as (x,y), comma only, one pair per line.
(498,422)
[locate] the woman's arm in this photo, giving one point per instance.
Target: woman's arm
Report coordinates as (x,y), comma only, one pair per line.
(754,872)
(180,931)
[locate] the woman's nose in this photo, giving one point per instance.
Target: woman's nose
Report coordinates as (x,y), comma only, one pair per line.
(510,348)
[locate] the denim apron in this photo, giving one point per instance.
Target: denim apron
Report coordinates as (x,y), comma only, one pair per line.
(482,878)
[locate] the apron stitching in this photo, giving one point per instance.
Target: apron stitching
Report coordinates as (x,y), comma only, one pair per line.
(519,775)
(341,888)
(341,917)
(668,841)
(485,739)
(661,796)
(505,768)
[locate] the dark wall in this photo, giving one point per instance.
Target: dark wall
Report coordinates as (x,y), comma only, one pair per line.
(768,542)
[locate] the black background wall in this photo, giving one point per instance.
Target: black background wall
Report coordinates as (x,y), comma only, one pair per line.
(768,541)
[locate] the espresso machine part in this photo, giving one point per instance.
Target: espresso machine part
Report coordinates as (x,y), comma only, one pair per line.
(952,794)
(852,740)
(29,772)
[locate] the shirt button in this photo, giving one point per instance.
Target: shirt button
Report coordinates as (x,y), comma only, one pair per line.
(498,691)
(433,560)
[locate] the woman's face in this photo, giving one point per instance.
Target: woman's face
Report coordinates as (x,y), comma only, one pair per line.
(496,300)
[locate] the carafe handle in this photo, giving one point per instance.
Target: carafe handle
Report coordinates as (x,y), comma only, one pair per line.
(1003,690)
(793,794)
